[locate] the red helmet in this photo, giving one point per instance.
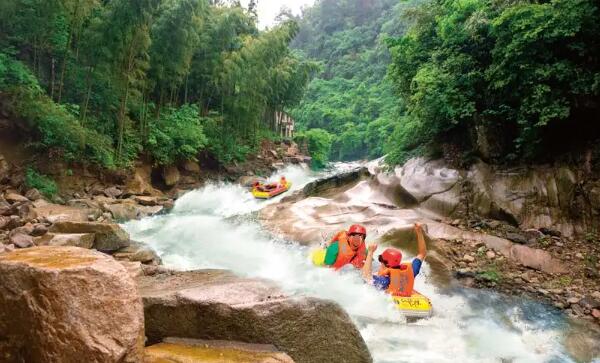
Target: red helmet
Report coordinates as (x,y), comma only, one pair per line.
(357,228)
(391,257)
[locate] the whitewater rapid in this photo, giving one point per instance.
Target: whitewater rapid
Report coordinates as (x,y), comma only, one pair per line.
(216,227)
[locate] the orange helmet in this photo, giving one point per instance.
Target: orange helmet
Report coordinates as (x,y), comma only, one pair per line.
(357,228)
(391,257)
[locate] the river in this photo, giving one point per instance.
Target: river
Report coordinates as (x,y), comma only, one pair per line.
(216,227)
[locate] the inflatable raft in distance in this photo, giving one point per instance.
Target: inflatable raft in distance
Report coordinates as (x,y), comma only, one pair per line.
(272,192)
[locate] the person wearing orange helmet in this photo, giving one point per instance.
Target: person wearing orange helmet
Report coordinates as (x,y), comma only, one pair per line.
(347,247)
(394,276)
(282,181)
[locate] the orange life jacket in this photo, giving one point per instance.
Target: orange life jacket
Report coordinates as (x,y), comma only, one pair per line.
(346,254)
(402,280)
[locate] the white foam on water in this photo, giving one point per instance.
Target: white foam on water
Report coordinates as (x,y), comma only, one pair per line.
(205,230)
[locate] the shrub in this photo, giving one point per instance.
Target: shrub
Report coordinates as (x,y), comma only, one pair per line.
(177,134)
(44,184)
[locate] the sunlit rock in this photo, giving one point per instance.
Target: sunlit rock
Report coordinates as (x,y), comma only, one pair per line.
(212,351)
(67,304)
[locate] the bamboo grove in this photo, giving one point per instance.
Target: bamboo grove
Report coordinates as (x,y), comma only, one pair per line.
(106,81)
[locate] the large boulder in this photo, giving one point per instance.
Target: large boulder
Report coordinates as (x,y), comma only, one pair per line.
(107,237)
(67,304)
(212,351)
(316,219)
(215,304)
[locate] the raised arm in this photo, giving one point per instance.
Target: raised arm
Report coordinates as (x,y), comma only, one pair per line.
(367,270)
(420,242)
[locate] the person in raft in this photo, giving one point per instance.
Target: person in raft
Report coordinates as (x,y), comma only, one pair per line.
(394,276)
(347,247)
(282,181)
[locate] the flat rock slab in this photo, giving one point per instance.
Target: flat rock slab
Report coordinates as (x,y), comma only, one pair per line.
(175,350)
(68,304)
(108,237)
(56,212)
(83,240)
(217,305)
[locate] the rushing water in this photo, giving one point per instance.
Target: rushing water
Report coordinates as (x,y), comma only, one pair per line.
(215,227)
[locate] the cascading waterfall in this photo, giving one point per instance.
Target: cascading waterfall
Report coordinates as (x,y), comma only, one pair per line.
(215,227)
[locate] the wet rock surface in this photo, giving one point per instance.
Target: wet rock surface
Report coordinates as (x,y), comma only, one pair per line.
(215,304)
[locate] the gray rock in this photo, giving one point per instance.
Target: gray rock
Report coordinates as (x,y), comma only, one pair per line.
(550,231)
(22,240)
(146,200)
(26,229)
(39,229)
(589,302)
(33,194)
(517,238)
(112,192)
(108,237)
(14,198)
(83,240)
(217,305)
(138,252)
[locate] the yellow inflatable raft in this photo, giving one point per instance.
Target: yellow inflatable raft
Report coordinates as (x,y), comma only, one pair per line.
(263,191)
(414,306)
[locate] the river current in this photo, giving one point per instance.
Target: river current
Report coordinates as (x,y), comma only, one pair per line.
(216,227)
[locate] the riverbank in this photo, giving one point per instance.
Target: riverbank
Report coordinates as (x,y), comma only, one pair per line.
(575,290)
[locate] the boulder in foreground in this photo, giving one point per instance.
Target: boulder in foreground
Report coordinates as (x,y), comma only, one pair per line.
(68,304)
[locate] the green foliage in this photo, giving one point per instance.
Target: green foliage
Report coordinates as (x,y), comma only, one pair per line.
(177,135)
(225,146)
(56,126)
(527,68)
(319,145)
(44,184)
(491,273)
(346,37)
(103,81)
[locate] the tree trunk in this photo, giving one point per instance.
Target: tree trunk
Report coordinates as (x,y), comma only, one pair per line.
(88,94)
(52,79)
(185,92)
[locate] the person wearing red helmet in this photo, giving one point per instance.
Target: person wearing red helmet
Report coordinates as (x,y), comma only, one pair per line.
(394,276)
(347,247)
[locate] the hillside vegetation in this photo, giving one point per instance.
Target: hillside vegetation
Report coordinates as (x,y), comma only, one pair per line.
(105,82)
(503,80)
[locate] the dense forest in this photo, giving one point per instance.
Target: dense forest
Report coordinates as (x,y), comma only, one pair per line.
(350,106)
(504,80)
(105,82)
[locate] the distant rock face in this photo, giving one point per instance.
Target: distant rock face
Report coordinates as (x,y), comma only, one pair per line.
(215,304)
(68,304)
(535,197)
